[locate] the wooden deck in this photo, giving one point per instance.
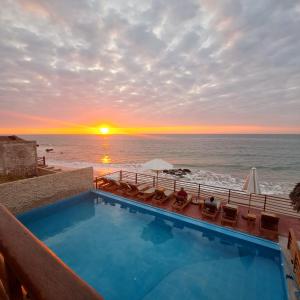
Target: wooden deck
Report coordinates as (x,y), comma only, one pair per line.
(194,211)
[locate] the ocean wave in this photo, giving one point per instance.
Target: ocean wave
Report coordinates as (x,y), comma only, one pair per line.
(198,176)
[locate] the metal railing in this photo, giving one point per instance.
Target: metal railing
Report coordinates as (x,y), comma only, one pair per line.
(41,161)
(263,202)
(292,245)
(29,270)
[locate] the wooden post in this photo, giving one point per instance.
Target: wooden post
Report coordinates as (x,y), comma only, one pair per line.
(136,178)
(199,190)
(174,185)
(265,202)
(229,195)
(153,181)
(121,175)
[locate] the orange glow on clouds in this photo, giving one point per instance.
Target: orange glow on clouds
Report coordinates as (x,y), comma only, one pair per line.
(46,125)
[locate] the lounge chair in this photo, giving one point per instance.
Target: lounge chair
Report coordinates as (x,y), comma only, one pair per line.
(105,183)
(102,182)
(181,205)
(210,210)
(161,197)
(111,185)
(146,194)
(122,188)
(230,214)
(269,223)
(136,189)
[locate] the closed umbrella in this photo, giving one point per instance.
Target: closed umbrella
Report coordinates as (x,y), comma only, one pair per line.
(251,185)
(157,165)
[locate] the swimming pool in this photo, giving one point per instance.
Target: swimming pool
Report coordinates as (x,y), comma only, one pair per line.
(128,250)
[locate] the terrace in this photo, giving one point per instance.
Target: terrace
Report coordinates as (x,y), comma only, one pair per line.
(254,203)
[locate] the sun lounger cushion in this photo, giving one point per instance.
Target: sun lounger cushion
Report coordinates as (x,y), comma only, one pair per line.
(229,213)
(269,222)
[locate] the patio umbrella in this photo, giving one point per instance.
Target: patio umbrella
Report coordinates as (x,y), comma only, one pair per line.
(157,165)
(251,185)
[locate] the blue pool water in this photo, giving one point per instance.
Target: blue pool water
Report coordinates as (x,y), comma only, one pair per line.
(127,250)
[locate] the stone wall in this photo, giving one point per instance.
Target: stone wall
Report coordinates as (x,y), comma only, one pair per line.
(22,195)
(18,158)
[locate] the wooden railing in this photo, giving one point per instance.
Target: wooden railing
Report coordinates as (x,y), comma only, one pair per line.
(28,268)
(263,202)
(293,246)
(41,161)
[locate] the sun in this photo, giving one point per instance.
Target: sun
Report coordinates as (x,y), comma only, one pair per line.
(104,130)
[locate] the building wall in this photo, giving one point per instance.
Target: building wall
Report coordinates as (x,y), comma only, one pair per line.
(22,195)
(18,159)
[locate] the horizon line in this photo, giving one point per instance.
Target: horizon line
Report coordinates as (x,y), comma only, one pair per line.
(138,134)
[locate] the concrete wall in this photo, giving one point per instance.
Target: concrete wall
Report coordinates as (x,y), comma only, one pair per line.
(22,195)
(18,158)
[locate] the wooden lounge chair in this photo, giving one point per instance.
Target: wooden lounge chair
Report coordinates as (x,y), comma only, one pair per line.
(229,215)
(111,185)
(105,184)
(161,197)
(102,182)
(136,189)
(180,206)
(211,210)
(146,194)
(269,224)
(122,188)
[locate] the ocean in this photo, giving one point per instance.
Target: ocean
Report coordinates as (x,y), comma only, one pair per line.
(220,160)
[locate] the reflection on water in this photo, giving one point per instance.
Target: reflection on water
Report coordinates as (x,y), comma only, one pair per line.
(157,231)
(106,159)
(105,145)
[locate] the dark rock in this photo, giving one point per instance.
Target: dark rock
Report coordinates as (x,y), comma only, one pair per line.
(177,172)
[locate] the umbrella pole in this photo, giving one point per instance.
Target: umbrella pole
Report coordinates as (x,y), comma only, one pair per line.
(156,178)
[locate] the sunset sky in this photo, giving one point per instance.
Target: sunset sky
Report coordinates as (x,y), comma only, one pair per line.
(161,66)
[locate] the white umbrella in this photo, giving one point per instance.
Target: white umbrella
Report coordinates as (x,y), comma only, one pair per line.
(157,165)
(251,185)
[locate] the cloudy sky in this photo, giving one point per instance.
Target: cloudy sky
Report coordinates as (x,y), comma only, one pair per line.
(169,65)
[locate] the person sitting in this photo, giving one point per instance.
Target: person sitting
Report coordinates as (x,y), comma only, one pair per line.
(181,196)
(211,208)
(211,202)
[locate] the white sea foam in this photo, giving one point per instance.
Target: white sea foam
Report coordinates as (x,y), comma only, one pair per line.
(197,175)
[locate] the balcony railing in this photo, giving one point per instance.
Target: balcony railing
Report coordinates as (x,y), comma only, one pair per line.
(29,270)
(261,202)
(292,245)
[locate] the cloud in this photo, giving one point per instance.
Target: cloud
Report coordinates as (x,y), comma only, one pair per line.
(140,63)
